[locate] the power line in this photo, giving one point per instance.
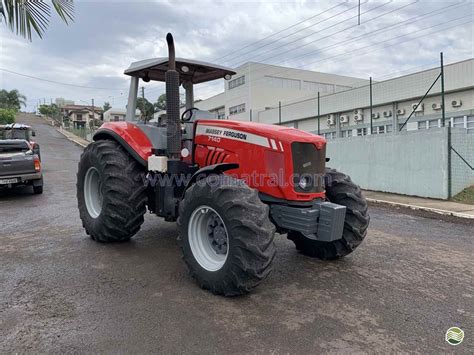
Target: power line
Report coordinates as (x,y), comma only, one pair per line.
(344,29)
(295,32)
(373,45)
(356,49)
(319,31)
(380,30)
(55,82)
(274,34)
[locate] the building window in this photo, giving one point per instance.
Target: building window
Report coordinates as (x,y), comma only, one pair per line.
(361,131)
(237,82)
(79,116)
(221,115)
(283,83)
(347,133)
(234,110)
(388,128)
(422,124)
(330,135)
(379,130)
(433,124)
(116,118)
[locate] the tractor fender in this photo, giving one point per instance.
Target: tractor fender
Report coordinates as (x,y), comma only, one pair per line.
(134,141)
(215,169)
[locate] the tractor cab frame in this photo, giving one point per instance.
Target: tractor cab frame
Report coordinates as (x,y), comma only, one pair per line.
(191,72)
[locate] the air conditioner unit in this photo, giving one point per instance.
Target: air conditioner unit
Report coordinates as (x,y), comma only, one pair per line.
(456,103)
(387,113)
(331,120)
(375,115)
(358,112)
(359,117)
(420,107)
(400,112)
(436,106)
(344,118)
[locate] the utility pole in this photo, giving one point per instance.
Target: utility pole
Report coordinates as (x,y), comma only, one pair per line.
(358,17)
(371,127)
(279,112)
(93,115)
(443,112)
(143,92)
(319,118)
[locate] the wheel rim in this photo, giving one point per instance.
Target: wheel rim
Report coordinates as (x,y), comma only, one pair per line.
(93,192)
(208,238)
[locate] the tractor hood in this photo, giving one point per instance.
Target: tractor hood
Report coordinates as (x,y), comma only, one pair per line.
(284,134)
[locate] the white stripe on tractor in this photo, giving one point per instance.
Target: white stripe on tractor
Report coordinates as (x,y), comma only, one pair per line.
(241,136)
(274,146)
(281,146)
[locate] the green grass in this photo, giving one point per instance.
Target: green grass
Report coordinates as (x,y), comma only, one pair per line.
(465,196)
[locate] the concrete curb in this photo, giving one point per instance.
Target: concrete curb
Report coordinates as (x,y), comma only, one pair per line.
(422,208)
(72,138)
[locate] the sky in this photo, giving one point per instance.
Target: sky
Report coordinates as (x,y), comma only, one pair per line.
(394,38)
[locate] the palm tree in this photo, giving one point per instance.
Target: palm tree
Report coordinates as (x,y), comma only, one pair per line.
(12,99)
(21,16)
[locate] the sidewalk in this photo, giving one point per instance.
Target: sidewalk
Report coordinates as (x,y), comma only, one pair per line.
(419,203)
(72,137)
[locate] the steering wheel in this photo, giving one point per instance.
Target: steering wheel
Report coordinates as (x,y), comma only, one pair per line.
(189,112)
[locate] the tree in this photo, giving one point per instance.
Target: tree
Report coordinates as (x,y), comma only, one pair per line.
(23,15)
(49,110)
(7,116)
(145,107)
(106,106)
(160,103)
(12,99)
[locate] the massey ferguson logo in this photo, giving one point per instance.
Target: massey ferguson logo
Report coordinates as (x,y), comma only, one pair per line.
(225,133)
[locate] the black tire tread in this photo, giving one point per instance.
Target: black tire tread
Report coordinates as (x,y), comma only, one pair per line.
(124,203)
(341,190)
(249,227)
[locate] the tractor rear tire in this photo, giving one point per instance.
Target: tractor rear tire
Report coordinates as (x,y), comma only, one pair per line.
(110,192)
(223,207)
(340,190)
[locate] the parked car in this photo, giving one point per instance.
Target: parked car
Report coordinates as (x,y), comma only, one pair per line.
(20,131)
(19,165)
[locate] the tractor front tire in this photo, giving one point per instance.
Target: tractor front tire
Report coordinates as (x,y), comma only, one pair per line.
(226,235)
(340,190)
(111,194)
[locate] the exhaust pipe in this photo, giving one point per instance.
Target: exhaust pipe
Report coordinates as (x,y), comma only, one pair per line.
(172,104)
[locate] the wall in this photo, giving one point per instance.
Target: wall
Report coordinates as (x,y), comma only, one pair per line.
(411,163)
(462,175)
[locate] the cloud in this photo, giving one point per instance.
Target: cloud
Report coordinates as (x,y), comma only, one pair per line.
(108,35)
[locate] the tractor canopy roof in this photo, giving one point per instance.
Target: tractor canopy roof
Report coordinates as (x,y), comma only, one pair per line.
(189,70)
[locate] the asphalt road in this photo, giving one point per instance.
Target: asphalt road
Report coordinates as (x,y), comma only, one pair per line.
(61,292)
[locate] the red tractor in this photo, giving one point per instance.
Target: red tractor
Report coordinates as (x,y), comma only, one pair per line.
(230,185)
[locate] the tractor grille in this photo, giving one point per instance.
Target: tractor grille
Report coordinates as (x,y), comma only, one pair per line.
(215,157)
(308,163)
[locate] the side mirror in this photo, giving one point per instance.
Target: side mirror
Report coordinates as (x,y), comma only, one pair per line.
(33,133)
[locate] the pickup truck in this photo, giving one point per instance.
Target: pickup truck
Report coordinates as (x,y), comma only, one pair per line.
(20,131)
(19,165)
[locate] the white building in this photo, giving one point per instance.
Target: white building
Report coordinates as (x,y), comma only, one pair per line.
(345,111)
(117,114)
(60,102)
(258,86)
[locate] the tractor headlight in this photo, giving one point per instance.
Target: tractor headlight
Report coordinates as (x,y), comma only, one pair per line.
(305,182)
